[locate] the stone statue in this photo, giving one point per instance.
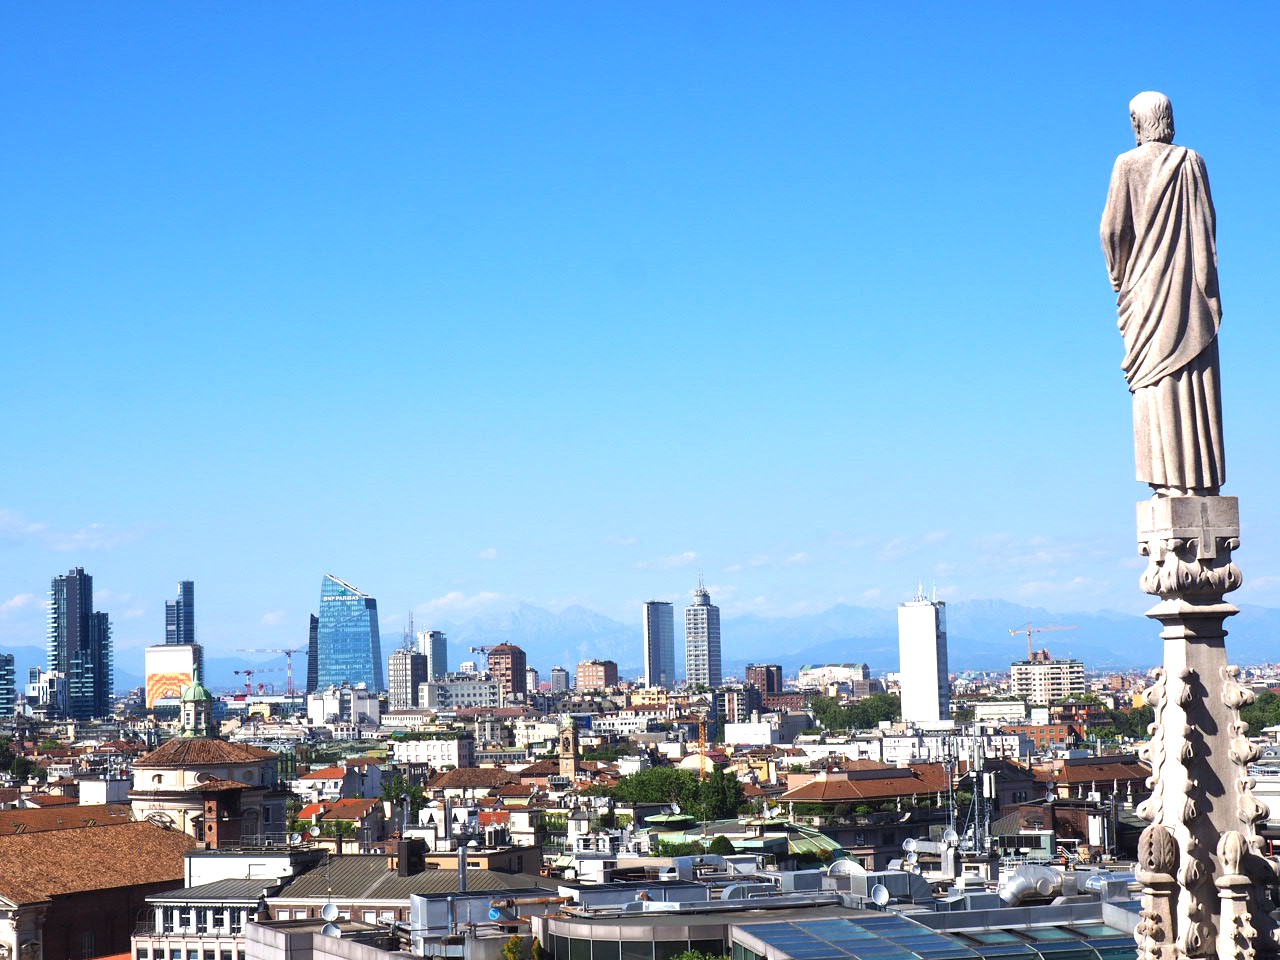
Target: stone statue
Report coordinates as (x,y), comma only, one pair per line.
(1158,233)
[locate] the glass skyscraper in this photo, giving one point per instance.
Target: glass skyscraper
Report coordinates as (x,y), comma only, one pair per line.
(79,647)
(180,615)
(348,649)
(659,645)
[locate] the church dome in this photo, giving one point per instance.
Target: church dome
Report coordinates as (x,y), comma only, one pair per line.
(197,691)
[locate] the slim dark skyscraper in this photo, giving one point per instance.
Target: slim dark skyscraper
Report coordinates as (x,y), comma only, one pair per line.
(313,655)
(80,646)
(180,615)
(659,645)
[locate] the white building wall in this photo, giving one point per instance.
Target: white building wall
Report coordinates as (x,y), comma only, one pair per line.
(922,652)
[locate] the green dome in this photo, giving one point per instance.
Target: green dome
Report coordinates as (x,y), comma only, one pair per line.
(197,690)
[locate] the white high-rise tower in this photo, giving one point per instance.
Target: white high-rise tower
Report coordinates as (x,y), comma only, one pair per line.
(702,639)
(922,660)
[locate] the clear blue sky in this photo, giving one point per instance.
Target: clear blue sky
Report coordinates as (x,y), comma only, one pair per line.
(567,303)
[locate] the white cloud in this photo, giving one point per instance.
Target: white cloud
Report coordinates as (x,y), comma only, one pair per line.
(95,536)
(488,553)
(668,563)
(622,541)
(18,602)
(14,527)
(796,559)
(273,618)
(872,593)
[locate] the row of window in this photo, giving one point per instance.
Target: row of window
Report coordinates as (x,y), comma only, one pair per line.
(178,953)
(202,920)
(576,948)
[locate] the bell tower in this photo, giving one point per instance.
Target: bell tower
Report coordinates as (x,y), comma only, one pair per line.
(568,748)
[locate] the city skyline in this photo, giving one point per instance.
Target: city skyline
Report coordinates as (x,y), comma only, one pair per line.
(482,207)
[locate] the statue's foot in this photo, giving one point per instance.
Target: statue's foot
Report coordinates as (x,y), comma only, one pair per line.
(1160,492)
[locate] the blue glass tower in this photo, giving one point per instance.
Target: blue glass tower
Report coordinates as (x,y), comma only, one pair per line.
(348,649)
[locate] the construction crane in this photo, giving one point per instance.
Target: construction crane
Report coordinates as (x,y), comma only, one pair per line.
(249,675)
(288,659)
(1029,630)
(485,651)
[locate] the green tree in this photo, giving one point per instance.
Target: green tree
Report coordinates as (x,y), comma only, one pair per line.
(1262,713)
(721,845)
(398,786)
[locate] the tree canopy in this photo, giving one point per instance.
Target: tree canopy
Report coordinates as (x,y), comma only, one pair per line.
(715,798)
(863,714)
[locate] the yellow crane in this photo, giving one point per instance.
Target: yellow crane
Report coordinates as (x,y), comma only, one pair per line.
(1029,630)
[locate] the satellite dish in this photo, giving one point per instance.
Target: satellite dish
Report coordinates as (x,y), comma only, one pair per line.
(846,868)
(950,836)
(332,930)
(329,912)
(913,857)
(909,844)
(771,812)
(315,831)
(295,839)
(880,895)
(675,807)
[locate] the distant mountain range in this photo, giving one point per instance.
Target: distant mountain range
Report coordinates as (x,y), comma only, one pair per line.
(977,633)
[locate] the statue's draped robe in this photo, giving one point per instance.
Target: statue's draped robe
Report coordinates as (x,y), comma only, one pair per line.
(1158,233)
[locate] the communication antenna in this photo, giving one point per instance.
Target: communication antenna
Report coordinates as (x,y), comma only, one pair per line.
(332,930)
(295,839)
(329,912)
(913,858)
(880,895)
(950,836)
(909,844)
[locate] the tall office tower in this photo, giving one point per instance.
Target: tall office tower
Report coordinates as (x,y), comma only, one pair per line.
(180,615)
(506,666)
(8,694)
(313,655)
(765,677)
(659,645)
(559,680)
(531,680)
(922,660)
(702,639)
(79,646)
(405,670)
(433,645)
(348,648)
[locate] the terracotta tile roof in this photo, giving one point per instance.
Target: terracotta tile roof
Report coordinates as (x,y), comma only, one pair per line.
(1099,768)
(871,784)
(545,768)
(352,808)
(38,866)
(199,751)
(63,818)
(215,785)
(325,773)
(487,778)
(52,800)
(9,794)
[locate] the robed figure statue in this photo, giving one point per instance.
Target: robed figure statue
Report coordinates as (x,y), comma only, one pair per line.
(1158,232)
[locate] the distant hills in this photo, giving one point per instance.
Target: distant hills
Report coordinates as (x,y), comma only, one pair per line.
(977,633)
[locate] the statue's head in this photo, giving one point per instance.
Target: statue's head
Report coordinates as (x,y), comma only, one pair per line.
(1152,116)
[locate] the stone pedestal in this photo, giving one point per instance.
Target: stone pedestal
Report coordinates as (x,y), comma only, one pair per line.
(1202,809)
